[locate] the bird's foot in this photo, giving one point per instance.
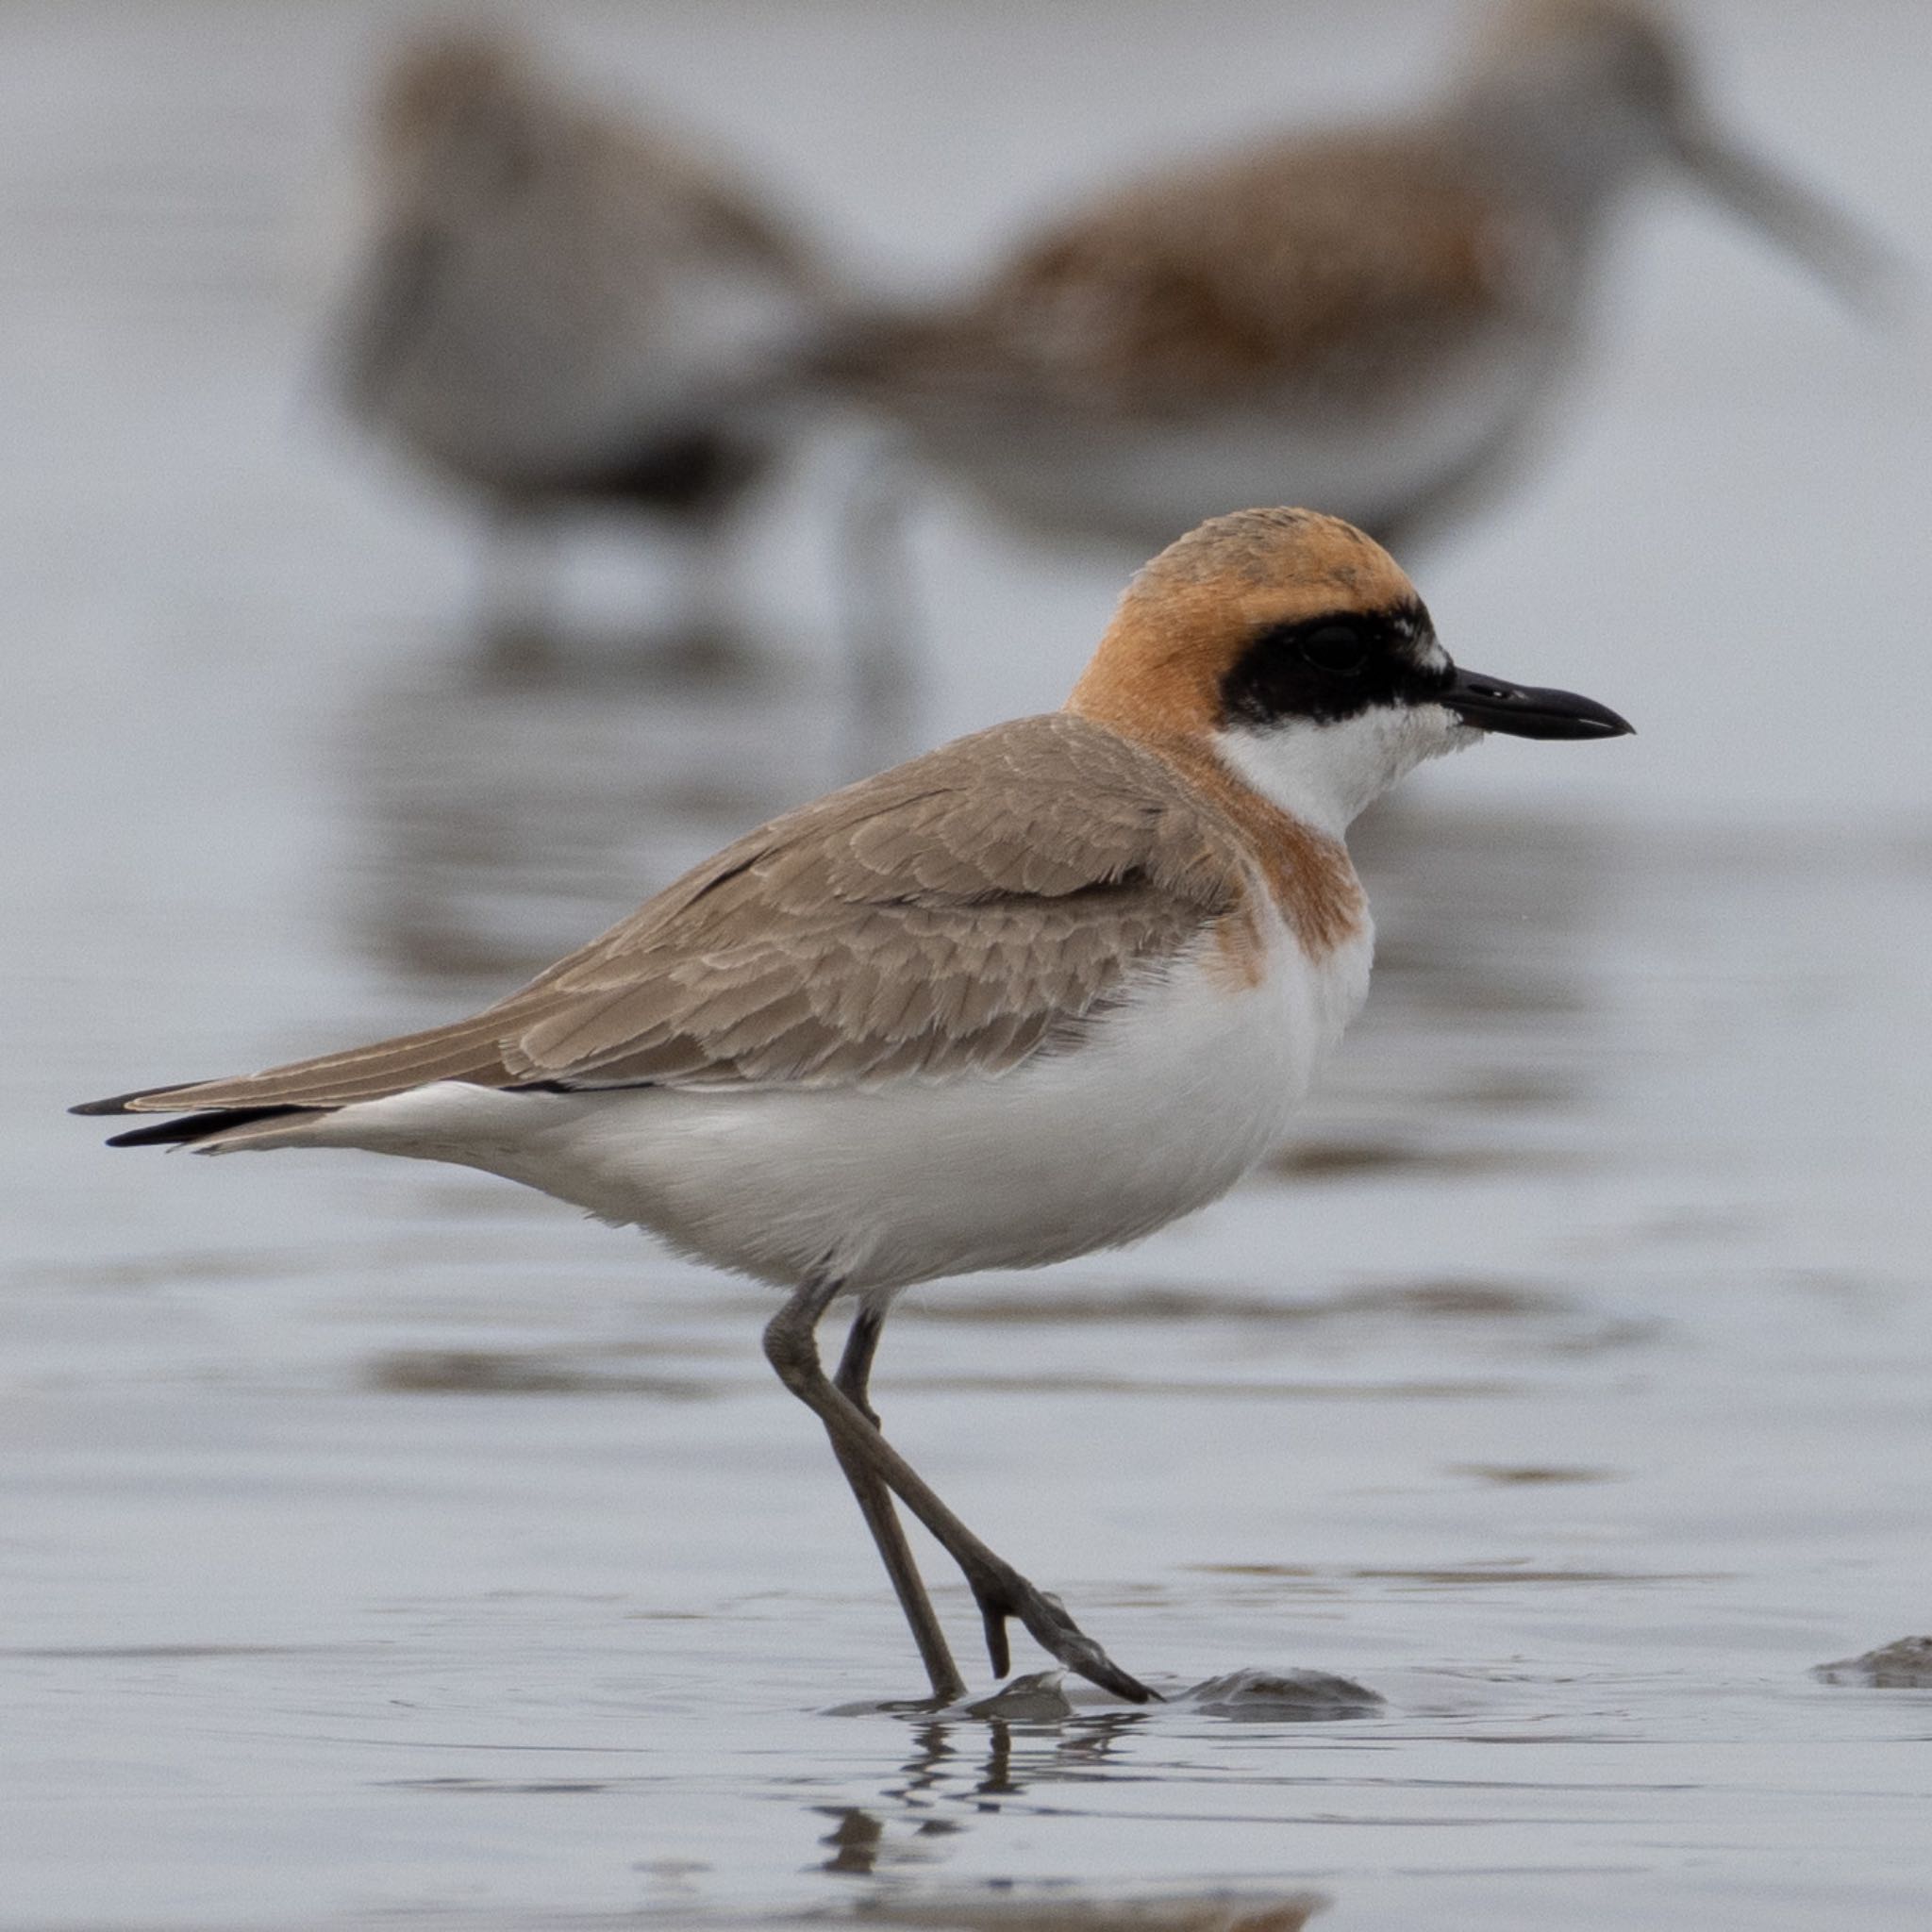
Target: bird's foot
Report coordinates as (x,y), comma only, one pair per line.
(1005,1594)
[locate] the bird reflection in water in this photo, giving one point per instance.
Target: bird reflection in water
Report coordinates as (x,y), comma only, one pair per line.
(944,1780)
(900,1835)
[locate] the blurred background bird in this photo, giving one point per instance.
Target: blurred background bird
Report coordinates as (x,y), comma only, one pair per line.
(1372,318)
(560,311)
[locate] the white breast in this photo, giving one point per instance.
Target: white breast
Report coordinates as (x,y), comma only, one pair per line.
(1162,1107)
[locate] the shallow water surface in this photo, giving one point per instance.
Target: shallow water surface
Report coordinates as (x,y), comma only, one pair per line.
(382,1544)
(384,1540)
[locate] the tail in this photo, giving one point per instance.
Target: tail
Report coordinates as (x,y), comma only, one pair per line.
(223,1127)
(278,1106)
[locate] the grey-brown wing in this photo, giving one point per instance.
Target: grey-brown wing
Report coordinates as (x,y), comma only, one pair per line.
(1331,261)
(957,913)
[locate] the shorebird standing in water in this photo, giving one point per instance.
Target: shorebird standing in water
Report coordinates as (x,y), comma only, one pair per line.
(558,311)
(1035,993)
(1371,318)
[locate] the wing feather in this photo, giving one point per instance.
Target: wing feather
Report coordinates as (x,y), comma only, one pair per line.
(1334,264)
(953,915)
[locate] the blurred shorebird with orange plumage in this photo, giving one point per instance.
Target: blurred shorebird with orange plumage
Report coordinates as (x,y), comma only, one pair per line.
(1374,318)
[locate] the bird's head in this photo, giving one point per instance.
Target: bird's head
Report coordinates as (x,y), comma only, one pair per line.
(464,112)
(1615,61)
(1297,649)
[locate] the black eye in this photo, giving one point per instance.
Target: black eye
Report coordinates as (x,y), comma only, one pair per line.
(1337,648)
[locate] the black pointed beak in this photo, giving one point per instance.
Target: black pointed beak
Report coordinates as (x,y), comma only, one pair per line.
(1492,704)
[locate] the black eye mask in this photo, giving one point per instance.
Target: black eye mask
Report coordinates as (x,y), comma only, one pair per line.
(1335,666)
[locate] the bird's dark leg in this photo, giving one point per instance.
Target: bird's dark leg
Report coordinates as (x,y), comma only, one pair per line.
(700,640)
(516,619)
(878,612)
(792,1347)
(876,1502)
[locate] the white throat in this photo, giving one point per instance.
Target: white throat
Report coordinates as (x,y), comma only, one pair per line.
(1325,774)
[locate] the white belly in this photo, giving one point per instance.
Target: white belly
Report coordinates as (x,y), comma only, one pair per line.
(1168,1102)
(1144,480)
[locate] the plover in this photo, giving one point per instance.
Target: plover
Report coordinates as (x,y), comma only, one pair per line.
(560,310)
(1035,993)
(1370,318)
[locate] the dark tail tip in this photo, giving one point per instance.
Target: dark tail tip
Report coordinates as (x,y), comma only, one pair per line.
(185,1127)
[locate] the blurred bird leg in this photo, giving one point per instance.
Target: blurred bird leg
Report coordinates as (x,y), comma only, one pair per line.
(516,619)
(703,639)
(877,604)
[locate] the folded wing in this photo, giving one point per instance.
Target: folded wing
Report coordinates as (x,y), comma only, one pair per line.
(955,914)
(1339,264)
